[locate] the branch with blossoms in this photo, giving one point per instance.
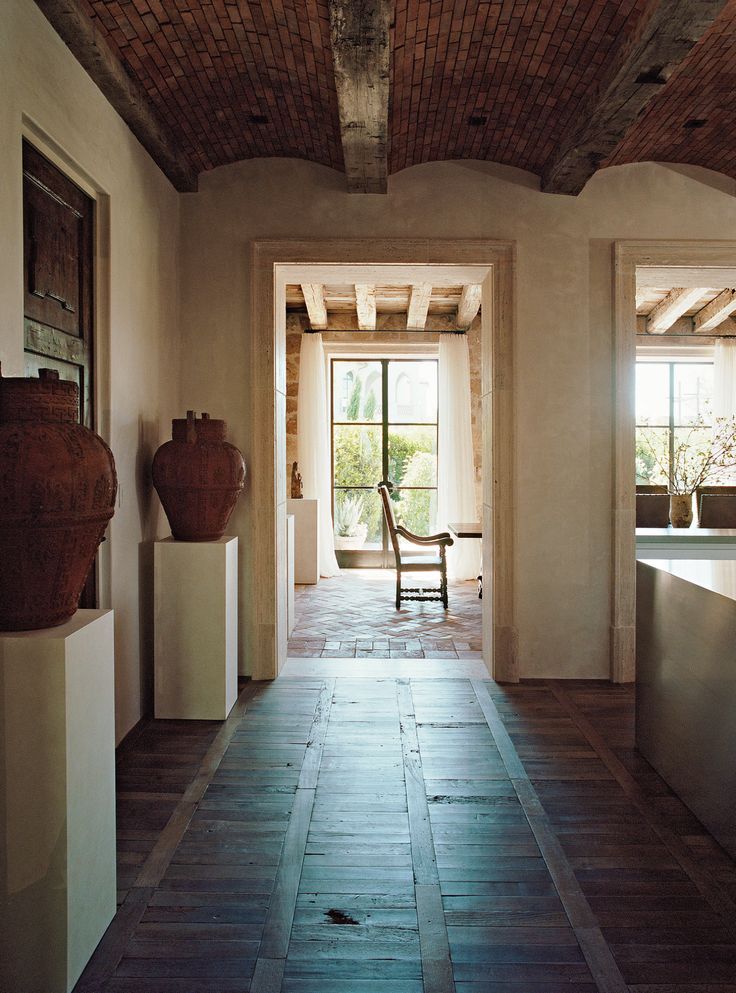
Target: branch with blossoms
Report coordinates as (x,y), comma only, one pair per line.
(697,460)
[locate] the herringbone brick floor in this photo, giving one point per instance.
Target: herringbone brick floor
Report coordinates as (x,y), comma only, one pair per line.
(353,615)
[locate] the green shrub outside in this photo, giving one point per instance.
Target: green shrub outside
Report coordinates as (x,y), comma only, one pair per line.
(358,463)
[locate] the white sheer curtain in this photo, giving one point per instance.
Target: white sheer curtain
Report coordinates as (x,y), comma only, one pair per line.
(455,466)
(724,378)
(313,444)
(724,389)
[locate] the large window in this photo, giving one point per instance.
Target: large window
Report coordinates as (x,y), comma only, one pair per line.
(673,407)
(384,427)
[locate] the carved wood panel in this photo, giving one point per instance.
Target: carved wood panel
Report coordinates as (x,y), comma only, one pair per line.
(57,221)
(58,234)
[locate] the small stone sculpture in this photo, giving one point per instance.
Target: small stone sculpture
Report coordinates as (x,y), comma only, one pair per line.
(296,483)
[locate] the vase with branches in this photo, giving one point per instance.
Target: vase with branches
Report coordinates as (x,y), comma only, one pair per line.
(699,457)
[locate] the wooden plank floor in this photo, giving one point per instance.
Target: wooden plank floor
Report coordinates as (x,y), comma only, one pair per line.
(411,836)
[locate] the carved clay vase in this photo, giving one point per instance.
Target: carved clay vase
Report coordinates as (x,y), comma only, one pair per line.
(57,494)
(198,477)
(681,510)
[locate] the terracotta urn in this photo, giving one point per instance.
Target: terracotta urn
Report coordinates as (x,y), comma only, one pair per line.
(57,494)
(198,477)
(681,510)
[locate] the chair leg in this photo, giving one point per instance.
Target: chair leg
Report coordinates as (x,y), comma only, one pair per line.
(398,590)
(444,586)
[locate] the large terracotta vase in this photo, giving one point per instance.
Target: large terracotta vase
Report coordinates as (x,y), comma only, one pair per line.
(199,477)
(57,494)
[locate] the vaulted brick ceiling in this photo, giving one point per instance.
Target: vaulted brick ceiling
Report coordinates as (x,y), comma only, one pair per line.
(502,81)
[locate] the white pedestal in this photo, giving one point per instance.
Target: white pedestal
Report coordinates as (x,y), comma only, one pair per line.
(57,800)
(306,540)
(195,628)
(290,605)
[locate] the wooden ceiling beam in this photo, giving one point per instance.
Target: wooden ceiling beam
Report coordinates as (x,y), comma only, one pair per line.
(677,302)
(683,327)
(663,37)
(365,305)
(664,277)
(360,33)
(715,312)
(314,299)
(71,22)
(469,306)
(421,294)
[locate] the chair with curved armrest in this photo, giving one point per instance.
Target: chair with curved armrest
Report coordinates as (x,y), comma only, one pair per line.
(416,563)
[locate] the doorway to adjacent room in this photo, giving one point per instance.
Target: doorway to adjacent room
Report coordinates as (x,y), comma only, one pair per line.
(485,264)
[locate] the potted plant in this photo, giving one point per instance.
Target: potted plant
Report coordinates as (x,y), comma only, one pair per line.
(700,457)
(350,532)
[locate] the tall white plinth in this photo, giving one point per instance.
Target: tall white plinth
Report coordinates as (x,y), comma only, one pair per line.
(57,800)
(290,601)
(306,540)
(196,628)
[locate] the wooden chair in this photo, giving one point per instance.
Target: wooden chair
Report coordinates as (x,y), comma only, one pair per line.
(652,510)
(717,510)
(416,563)
(712,490)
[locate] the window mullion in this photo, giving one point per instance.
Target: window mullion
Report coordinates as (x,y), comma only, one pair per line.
(672,424)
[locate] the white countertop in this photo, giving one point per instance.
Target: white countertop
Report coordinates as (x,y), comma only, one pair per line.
(686,543)
(645,536)
(717,575)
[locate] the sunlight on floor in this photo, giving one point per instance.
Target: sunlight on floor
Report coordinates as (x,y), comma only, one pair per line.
(353,616)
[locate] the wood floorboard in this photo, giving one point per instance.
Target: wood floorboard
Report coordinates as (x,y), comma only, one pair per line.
(411,836)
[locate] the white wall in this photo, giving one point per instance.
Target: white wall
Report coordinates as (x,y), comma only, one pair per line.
(563,379)
(42,83)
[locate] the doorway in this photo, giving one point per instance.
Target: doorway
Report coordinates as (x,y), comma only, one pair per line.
(693,269)
(276,264)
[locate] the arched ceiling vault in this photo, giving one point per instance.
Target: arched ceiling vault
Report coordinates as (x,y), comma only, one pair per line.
(560,88)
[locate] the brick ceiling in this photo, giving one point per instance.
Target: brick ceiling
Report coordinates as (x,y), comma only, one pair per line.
(498,80)
(693,119)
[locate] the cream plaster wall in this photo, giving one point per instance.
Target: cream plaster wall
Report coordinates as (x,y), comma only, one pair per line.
(563,359)
(44,90)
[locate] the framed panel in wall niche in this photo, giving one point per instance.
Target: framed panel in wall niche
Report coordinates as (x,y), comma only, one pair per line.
(58,284)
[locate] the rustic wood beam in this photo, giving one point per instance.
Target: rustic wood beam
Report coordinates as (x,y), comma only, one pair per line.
(663,277)
(421,294)
(663,37)
(314,298)
(684,327)
(130,100)
(365,305)
(715,312)
(677,302)
(469,305)
(360,33)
